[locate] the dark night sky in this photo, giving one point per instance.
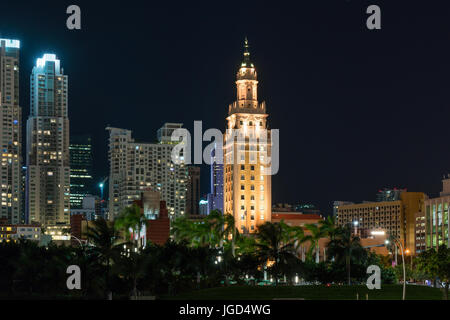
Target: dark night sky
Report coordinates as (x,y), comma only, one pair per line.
(357,110)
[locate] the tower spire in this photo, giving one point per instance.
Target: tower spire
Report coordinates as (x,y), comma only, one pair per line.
(246,62)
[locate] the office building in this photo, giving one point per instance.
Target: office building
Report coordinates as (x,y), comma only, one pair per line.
(48,171)
(433,227)
(81,180)
(397,218)
(90,208)
(10,133)
(215,197)
(337,204)
(139,166)
(247,187)
(193,190)
(15,232)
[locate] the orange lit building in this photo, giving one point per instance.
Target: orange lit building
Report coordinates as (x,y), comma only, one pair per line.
(247,189)
(397,218)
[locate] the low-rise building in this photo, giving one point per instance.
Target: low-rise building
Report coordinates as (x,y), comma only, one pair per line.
(397,217)
(14,232)
(433,223)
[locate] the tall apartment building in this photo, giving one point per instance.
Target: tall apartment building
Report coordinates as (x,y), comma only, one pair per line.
(139,166)
(81,163)
(193,190)
(48,171)
(247,189)
(10,133)
(432,226)
(397,218)
(215,197)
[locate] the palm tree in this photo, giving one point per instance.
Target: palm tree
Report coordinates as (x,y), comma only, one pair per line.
(215,222)
(230,230)
(131,218)
(316,234)
(328,227)
(271,246)
(133,267)
(292,234)
(183,230)
(202,234)
(343,245)
(104,238)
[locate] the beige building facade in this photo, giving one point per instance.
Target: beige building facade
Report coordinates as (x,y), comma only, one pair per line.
(139,166)
(396,218)
(247,187)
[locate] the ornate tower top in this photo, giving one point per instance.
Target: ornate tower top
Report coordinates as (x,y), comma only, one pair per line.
(246,63)
(247,70)
(247,88)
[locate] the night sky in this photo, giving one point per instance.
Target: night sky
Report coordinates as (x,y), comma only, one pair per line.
(358,110)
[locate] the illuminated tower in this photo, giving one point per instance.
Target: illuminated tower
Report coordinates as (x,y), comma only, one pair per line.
(10,133)
(48,171)
(247,188)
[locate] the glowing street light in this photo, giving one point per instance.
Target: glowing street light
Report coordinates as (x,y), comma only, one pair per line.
(101,185)
(399,243)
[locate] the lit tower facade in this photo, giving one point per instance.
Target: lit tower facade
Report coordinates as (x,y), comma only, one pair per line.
(247,187)
(48,170)
(10,133)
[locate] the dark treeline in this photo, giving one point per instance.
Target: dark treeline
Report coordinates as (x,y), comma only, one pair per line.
(200,255)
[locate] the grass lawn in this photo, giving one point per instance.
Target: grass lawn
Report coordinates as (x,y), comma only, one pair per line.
(312,292)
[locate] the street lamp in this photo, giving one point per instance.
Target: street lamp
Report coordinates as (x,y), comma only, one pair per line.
(399,243)
(355,224)
(407,251)
(101,185)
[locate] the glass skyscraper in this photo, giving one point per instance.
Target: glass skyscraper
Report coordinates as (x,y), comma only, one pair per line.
(48,171)
(81,180)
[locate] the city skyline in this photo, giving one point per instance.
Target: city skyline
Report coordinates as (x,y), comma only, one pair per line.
(220,151)
(329,145)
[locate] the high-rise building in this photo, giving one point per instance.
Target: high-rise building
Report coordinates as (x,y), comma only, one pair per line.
(10,133)
(48,171)
(139,166)
(389,194)
(397,218)
(433,228)
(90,208)
(23,188)
(215,197)
(193,190)
(247,188)
(81,179)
